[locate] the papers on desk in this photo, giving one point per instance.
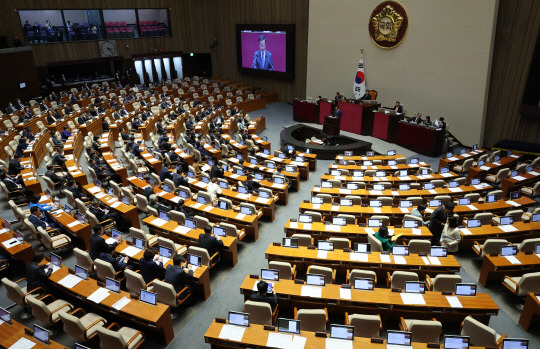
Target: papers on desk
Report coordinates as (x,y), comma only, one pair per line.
(315,206)
(534,173)
(112,200)
(400,260)
(197,205)
(22,343)
(375,192)
(69,281)
(233,333)
(413,298)
(54,268)
(404,210)
(425,260)
(279,340)
(94,190)
(98,295)
(234,175)
(116,204)
(434,260)
(294,225)
(466,231)
(181,229)
(485,168)
(345,191)
(43,198)
(331,227)
(513,203)
(466,155)
(515,156)
(472,207)
(277,185)
(208,208)
(377,209)
(394,167)
(332,343)
(11,242)
(395,346)
(311,291)
(3,231)
(447,174)
(131,178)
(334,208)
(385,258)
(146,155)
(453,158)
(322,254)
(72,168)
(74,223)
(240,216)
(121,303)
(497,163)
(100,195)
(317,189)
(416,231)
(242,196)
(519,178)
(360,257)
(130,251)
(455,190)
(512,259)
(428,210)
(508,228)
(370,231)
(262,200)
(110,241)
(357,178)
(432,191)
(159,222)
(176,199)
(298,342)
(306,226)
(454,302)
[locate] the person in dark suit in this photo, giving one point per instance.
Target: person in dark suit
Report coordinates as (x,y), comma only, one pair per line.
(160,128)
(208,241)
(217,170)
(75,190)
(118,264)
(263,296)
(42,106)
(15,167)
(398,107)
(28,133)
(149,190)
(250,184)
(156,205)
(11,183)
(36,218)
(366,96)
(136,124)
(21,147)
(417,119)
(438,220)
(151,265)
(98,244)
(179,179)
(10,108)
(177,273)
(65,134)
(337,113)
(164,173)
(262,59)
(59,159)
(428,121)
(37,275)
(100,214)
(101,173)
(54,177)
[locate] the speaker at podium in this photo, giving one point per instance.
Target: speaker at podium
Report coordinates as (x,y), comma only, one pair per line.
(331,125)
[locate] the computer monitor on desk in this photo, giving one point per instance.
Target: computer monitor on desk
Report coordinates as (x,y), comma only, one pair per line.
(465,289)
(5,316)
(325,245)
(290,242)
(514,343)
(42,335)
(288,326)
(364,284)
(270,274)
(374,223)
(148,297)
(238,318)
(362,247)
(399,338)
(456,342)
(315,280)
(342,332)
(410,223)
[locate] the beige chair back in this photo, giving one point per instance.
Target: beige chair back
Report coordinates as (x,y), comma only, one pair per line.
(134,282)
(15,292)
(327,272)
(444,282)
(83,259)
(362,274)
(202,252)
(110,339)
(367,326)
(376,245)
(481,335)
(425,331)
(340,243)
(260,313)
(303,239)
(398,278)
(313,320)
(165,293)
(284,268)
(104,270)
(73,327)
(419,246)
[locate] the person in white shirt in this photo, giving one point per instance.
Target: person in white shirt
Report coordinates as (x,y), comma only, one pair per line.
(451,236)
(213,188)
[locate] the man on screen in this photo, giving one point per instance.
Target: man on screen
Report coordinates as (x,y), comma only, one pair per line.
(262,59)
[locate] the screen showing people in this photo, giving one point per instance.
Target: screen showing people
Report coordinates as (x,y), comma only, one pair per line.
(264,50)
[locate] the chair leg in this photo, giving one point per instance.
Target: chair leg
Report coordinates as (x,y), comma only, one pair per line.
(26,314)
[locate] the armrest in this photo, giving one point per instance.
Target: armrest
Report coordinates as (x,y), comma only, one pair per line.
(214,256)
(326,311)
(21,279)
(479,246)
(48,296)
(402,324)
(346,318)
(380,323)
(499,342)
(333,275)
(388,279)
(58,309)
(93,324)
(77,310)
(149,284)
(35,291)
(182,291)
(429,282)
(347,280)
(294,271)
(133,338)
(506,277)
(114,324)
(52,232)
(295,313)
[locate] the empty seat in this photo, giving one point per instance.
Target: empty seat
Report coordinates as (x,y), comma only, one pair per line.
(313,320)
(329,273)
(368,326)
(489,246)
(340,243)
(480,335)
(528,245)
(443,282)
(521,285)
(84,328)
(260,313)
(361,274)
(286,271)
(123,338)
(419,246)
(303,239)
(48,313)
(424,331)
(398,278)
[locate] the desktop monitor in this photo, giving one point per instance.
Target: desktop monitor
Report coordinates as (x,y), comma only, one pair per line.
(80,218)
(165,252)
(536,217)
(429,186)
(246,210)
(288,326)
(270,274)
(5,316)
(462,151)
(424,171)
(110,192)
(456,342)
(68,209)
(474,223)
(414,161)
(537,248)
(514,195)
(514,173)
(415,287)
(410,223)
(42,335)
(289,169)
(56,260)
(242,190)
(375,203)
(463,289)
(201,199)
(112,285)
(326,184)
(342,332)
(399,338)
(271,165)
(281,155)
(167,188)
(140,176)
(348,153)
(339,221)
(325,245)
(406,204)
(374,223)
(352,186)
(152,181)
(195,260)
(239,172)
(404,187)
(370,153)
(126,200)
(164,215)
(279,180)
(391,153)
(364,284)
(97,183)
(362,247)
(116,233)
(315,280)
(434,203)
(357,173)
(293,242)
(81,272)
(380,174)
(148,297)
(514,343)
(139,243)
(475,181)
(464,201)
(444,170)
(253,161)
(509,250)
(403,173)
(190,174)
(496,158)
(183,194)
(317,200)
(335,173)
(190,223)
(400,250)
(211,162)
(529,169)
(223,185)
(507,220)
(368,163)
(491,198)
(475,146)
(392,162)
(449,154)
(343,162)
(453,184)
(345,202)
(438,251)
(264,194)
(299,159)
(265,139)
(239,319)
(219,231)
(378,187)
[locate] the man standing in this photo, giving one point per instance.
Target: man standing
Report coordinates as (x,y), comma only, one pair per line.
(438,220)
(337,113)
(262,59)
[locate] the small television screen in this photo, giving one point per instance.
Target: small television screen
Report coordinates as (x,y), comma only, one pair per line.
(456,342)
(325,246)
(352,186)
(139,243)
(81,272)
(342,332)
(399,338)
(42,334)
(464,201)
(315,280)
(339,221)
(288,326)
(305,218)
(410,223)
(463,289)
(400,250)
(112,285)
(363,284)
(292,242)
(242,190)
(148,297)
(5,316)
(348,153)
(270,274)
(165,252)
(514,343)
(405,204)
(266,50)
(391,153)
(362,247)
(374,223)
(238,318)
(404,187)
(415,287)
(509,250)
(345,202)
(195,260)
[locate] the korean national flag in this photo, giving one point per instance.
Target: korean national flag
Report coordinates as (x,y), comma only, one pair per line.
(359,87)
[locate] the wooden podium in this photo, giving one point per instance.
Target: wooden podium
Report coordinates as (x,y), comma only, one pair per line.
(331,126)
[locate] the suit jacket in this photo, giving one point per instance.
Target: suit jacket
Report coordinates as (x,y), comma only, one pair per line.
(14,167)
(269,298)
(251,186)
(438,217)
(116,264)
(337,113)
(76,192)
(217,172)
(100,215)
(59,160)
(150,269)
(164,174)
(148,191)
(178,180)
(97,245)
(11,185)
(37,222)
(43,107)
(53,176)
(210,243)
(36,275)
(176,276)
(258,62)
(398,109)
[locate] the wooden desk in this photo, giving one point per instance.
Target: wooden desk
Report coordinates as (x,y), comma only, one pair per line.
(458,159)
(358,158)
(10,334)
(190,237)
(19,252)
(255,336)
(494,268)
(282,189)
(118,167)
(129,211)
(294,177)
(341,261)
(353,232)
(381,301)
(150,319)
(481,234)
(513,183)
(493,167)
(258,125)
(38,150)
(78,230)
(151,161)
(30,175)
(395,180)
(409,167)
(530,312)
(303,167)
(75,170)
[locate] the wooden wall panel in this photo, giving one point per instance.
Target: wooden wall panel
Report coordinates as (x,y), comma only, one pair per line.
(518,27)
(194,24)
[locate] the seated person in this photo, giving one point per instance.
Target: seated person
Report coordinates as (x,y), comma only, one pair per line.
(15,167)
(213,188)
(11,183)
(56,141)
(21,147)
(250,184)
(263,296)
(65,134)
(75,189)
(98,244)
(208,241)
(57,180)
(156,205)
(164,173)
(179,178)
(37,275)
(59,159)
(102,215)
(176,273)
(384,237)
(38,219)
(151,265)
(119,263)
